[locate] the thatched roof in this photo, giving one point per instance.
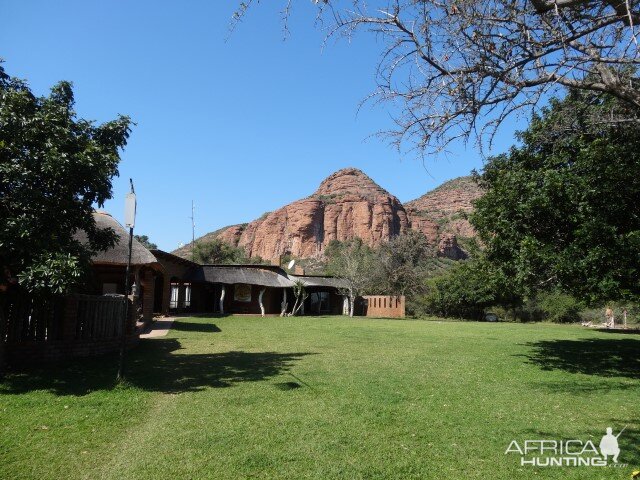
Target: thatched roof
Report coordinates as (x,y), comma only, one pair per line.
(262,275)
(118,255)
(319,281)
(170,257)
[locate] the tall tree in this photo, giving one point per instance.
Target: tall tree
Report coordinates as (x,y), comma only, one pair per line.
(54,167)
(354,262)
(458,68)
(562,211)
(404,262)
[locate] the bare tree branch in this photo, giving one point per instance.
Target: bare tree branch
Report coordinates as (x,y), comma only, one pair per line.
(459,68)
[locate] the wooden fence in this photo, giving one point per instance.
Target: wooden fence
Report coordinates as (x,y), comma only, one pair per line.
(31,319)
(34,329)
(99,317)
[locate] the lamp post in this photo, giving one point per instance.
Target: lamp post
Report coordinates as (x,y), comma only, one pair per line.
(129,221)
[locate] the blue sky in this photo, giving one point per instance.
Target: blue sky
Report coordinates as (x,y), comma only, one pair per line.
(240,124)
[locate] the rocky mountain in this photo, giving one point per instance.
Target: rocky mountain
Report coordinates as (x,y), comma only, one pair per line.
(441,214)
(349,204)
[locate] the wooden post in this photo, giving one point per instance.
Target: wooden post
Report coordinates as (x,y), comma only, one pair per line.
(222,295)
(260,302)
(283,306)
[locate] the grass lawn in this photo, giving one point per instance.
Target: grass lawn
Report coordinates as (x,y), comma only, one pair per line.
(326,398)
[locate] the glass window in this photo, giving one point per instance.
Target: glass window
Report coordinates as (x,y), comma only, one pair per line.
(187,295)
(175,290)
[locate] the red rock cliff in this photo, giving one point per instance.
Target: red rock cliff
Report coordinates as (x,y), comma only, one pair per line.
(349,204)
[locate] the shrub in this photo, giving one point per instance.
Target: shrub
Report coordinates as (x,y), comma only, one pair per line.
(467,290)
(559,307)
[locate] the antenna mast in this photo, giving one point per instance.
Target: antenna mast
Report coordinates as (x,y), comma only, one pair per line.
(193,228)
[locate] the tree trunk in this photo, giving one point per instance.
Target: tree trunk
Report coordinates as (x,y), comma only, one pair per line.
(283,306)
(352,302)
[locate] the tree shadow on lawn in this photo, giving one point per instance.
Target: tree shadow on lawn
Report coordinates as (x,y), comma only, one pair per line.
(195,327)
(605,357)
(154,365)
(628,440)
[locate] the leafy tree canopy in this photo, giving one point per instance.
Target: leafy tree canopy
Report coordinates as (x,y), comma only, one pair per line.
(144,240)
(356,263)
(404,263)
(54,167)
(562,211)
(218,252)
(467,289)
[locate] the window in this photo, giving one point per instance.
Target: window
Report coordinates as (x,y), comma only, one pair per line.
(180,300)
(175,290)
(242,292)
(187,295)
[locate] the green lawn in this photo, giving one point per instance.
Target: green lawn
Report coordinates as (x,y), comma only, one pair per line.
(325,398)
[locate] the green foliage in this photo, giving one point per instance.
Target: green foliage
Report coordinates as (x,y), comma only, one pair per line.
(54,272)
(466,290)
(561,211)
(218,252)
(404,264)
(144,240)
(354,261)
(54,167)
(401,266)
(300,294)
(559,307)
(596,314)
(329,199)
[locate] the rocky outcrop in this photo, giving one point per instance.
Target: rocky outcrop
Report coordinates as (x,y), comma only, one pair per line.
(349,204)
(448,247)
(427,227)
(447,207)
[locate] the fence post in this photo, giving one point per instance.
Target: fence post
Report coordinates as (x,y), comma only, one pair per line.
(70,318)
(3,331)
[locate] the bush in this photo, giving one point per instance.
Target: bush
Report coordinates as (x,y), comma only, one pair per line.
(596,315)
(553,307)
(559,307)
(466,291)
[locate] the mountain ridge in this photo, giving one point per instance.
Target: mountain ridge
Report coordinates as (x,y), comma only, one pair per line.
(349,204)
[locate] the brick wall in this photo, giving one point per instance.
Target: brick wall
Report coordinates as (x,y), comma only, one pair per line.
(385,306)
(148,295)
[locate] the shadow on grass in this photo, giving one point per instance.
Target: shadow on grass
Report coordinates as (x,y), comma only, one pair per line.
(586,388)
(195,327)
(155,365)
(606,357)
(628,439)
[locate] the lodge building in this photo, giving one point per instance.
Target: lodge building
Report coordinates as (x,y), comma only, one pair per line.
(91,321)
